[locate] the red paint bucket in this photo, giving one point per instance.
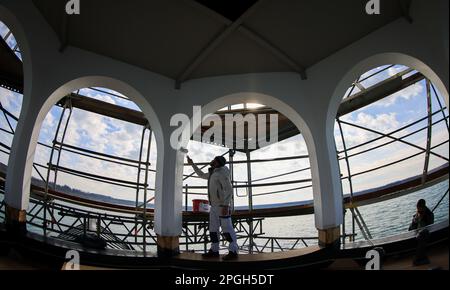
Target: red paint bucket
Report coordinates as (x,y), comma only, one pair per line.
(200,205)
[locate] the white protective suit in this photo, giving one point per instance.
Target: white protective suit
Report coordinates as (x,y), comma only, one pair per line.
(220,193)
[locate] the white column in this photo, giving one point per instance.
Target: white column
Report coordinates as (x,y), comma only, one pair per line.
(168,196)
(328,208)
(18,180)
(29,29)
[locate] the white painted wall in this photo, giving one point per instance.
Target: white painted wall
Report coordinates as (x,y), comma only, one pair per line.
(312,104)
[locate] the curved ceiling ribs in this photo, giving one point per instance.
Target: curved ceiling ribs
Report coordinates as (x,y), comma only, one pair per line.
(199,38)
(233,26)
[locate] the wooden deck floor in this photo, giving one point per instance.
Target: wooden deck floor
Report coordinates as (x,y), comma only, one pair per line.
(252,258)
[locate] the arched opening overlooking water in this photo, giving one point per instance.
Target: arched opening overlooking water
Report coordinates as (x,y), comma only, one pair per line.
(11,97)
(392,134)
(267,180)
(94,172)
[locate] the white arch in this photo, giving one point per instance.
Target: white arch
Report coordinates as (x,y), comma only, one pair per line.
(259,98)
(362,66)
(376,61)
(322,206)
(18,185)
(14,25)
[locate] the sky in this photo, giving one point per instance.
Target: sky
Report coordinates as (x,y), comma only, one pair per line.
(119,138)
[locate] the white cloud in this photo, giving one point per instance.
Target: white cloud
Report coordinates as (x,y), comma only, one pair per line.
(392,71)
(383,123)
(3,29)
(5,97)
(101,97)
(407,94)
(11,101)
(101,134)
(392,153)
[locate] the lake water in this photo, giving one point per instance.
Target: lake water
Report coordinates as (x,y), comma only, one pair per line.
(383,219)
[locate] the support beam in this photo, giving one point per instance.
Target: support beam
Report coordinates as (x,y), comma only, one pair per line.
(215,43)
(11,71)
(106,109)
(360,86)
(276,51)
(378,92)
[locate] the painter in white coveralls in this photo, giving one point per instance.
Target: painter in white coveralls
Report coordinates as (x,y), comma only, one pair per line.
(220,193)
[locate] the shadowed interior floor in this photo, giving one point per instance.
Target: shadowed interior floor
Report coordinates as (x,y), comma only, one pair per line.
(438,256)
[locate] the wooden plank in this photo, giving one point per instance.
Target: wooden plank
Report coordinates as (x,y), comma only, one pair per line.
(377,92)
(106,109)
(11,71)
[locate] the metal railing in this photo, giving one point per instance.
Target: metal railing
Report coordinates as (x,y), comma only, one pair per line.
(127,231)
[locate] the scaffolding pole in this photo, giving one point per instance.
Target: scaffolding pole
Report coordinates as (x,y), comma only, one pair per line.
(231,162)
(429,134)
(50,168)
(147,164)
(138,180)
(61,144)
(250,199)
(347,161)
